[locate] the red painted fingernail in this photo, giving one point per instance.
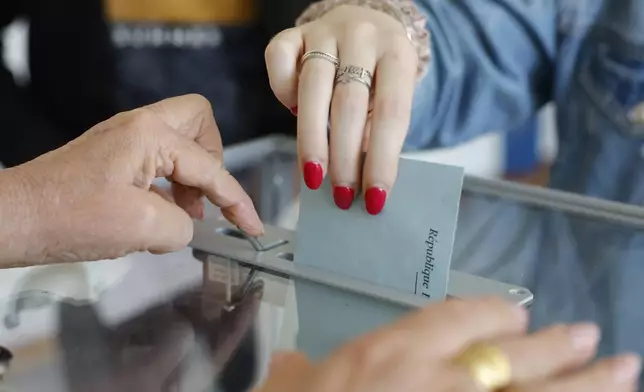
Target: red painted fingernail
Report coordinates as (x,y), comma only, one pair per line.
(294,110)
(343,197)
(313,175)
(374,199)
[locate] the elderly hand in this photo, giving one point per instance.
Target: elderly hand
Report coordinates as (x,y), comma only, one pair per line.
(94,198)
(418,354)
(359,37)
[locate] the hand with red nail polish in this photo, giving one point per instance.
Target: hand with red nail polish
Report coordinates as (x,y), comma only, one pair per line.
(366,114)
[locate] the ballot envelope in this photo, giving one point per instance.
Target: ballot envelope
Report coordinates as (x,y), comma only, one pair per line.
(208,318)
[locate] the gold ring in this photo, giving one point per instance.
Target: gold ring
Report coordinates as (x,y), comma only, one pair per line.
(487,364)
(320,55)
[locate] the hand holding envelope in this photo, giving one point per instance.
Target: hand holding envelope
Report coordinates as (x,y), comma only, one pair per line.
(407,247)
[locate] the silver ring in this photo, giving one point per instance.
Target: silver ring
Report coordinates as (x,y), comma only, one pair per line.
(352,73)
(314,54)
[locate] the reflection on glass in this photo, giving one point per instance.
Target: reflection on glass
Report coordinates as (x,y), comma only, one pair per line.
(174,346)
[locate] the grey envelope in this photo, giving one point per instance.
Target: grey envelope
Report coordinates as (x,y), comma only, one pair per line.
(407,247)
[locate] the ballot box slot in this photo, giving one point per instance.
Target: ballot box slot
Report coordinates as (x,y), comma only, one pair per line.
(210,244)
(259,244)
(286,256)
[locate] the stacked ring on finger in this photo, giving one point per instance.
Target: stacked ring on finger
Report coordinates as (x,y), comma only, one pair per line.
(316,54)
(352,73)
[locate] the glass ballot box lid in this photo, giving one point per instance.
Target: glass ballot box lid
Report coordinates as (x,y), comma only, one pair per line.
(207,318)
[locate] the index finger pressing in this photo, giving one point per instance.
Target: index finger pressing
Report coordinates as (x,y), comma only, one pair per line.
(193,166)
(190,116)
(442,330)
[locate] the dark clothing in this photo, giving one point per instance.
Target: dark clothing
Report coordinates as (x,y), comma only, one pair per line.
(84,69)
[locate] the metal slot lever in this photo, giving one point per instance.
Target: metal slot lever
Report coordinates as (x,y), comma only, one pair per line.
(215,238)
(233,299)
(253,241)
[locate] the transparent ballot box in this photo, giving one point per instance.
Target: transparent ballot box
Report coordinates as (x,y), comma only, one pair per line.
(208,318)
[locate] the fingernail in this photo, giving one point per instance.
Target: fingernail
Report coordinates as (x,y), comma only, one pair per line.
(246,217)
(584,336)
(627,369)
(343,197)
(201,212)
(313,175)
(294,110)
(258,223)
(374,200)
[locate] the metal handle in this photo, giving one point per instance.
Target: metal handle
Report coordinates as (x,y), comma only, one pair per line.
(218,238)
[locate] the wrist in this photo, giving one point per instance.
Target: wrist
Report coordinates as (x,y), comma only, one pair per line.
(21,227)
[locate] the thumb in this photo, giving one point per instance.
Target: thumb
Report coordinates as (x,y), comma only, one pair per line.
(166,227)
(281,56)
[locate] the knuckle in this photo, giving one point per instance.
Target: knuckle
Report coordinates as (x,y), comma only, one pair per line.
(142,128)
(279,45)
(199,100)
(361,31)
(272,50)
(203,104)
(318,32)
(142,121)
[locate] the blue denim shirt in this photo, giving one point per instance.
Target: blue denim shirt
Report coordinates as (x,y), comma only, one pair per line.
(496,62)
